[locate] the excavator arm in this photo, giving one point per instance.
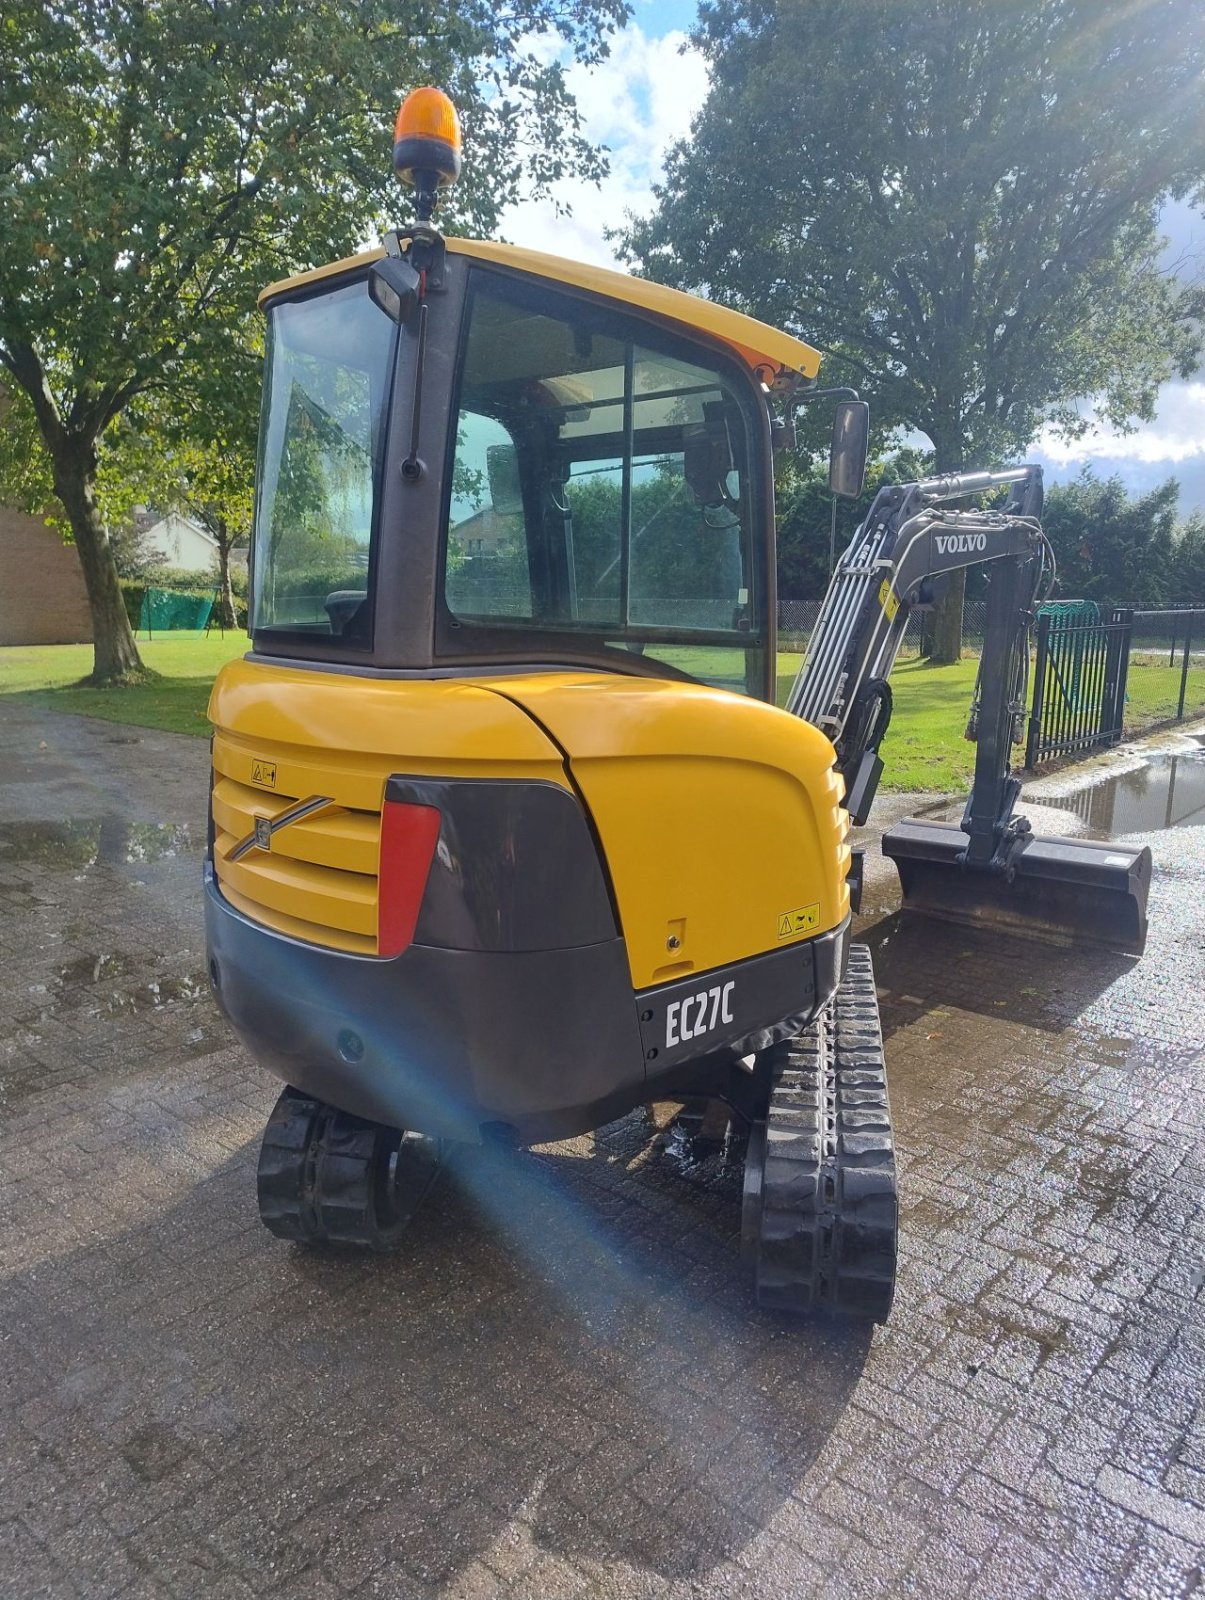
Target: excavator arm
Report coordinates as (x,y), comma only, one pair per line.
(912,536)
(991,867)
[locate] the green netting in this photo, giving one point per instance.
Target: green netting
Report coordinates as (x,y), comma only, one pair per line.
(1070,612)
(1066,660)
(168,611)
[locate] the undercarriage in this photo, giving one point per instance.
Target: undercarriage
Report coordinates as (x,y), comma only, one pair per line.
(819,1213)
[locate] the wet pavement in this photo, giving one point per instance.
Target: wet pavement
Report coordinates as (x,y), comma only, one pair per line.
(559,1388)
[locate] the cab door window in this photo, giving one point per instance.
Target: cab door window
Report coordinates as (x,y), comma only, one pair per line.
(600,488)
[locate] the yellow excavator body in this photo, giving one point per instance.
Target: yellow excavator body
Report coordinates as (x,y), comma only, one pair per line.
(720,819)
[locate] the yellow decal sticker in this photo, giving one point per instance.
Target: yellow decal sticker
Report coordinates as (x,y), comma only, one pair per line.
(264,772)
(887,600)
(801,920)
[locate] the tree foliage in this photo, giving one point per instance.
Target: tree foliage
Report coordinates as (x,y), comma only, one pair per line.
(803,517)
(162,159)
(958,199)
(1189,568)
(1123,549)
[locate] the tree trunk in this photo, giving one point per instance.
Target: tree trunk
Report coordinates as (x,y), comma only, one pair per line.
(947,622)
(115,654)
(946,647)
(225,592)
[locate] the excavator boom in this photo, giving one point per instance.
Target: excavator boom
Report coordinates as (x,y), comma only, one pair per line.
(989,869)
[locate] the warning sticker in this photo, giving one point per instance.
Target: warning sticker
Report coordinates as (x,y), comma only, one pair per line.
(802,920)
(264,773)
(889,602)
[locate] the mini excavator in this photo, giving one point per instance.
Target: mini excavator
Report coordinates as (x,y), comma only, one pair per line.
(508,834)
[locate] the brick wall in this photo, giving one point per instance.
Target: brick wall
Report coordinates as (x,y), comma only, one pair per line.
(42,596)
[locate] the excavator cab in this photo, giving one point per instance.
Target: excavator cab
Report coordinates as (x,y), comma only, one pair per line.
(519,473)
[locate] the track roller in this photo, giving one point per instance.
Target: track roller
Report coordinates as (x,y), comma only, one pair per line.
(326,1177)
(819,1218)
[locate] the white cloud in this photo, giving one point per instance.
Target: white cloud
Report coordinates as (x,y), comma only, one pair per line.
(1183,230)
(637,102)
(1176,434)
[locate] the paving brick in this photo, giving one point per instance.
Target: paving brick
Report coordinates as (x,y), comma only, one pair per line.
(572,1396)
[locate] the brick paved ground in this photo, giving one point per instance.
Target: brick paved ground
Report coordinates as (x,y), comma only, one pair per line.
(560,1389)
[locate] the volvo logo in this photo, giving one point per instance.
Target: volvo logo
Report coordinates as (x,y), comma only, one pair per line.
(261,837)
(959,544)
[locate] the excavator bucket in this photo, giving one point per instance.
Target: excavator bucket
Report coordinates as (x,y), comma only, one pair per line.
(1063,890)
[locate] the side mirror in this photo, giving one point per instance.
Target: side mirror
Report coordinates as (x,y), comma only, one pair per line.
(506,486)
(847,458)
(393,284)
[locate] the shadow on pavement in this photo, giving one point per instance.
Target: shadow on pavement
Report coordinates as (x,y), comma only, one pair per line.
(563,1362)
(922,963)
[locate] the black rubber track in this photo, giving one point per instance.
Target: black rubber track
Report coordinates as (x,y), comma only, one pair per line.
(329,1178)
(820,1210)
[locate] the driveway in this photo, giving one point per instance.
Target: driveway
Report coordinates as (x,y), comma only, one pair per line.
(559,1387)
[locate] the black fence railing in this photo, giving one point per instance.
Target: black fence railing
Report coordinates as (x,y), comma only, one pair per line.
(1167,664)
(1079,685)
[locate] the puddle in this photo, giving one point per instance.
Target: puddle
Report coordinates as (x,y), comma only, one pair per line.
(112,840)
(87,996)
(109,985)
(1167,792)
(705,1143)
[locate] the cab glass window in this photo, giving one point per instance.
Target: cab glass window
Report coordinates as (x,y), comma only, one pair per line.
(329,362)
(600,489)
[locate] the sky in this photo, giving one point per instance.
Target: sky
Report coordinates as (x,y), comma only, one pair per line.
(642,99)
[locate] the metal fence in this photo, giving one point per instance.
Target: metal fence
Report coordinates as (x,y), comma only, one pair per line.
(1095,682)
(1167,666)
(1079,685)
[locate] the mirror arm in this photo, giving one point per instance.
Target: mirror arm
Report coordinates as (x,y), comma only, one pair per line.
(806,396)
(782,429)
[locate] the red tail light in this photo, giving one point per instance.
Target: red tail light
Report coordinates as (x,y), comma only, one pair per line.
(409,835)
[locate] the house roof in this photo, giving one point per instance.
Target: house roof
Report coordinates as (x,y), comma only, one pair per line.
(179,516)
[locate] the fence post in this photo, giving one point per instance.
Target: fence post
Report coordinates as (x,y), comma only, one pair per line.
(1039,689)
(1121,667)
(1184,668)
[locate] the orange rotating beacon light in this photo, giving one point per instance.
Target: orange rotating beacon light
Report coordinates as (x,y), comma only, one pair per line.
(426,146)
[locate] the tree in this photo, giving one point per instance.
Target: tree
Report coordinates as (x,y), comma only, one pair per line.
(957,198)
(804,510)
(1189,567)
(160,160)
(214,482)
(1112,547)
(202,460)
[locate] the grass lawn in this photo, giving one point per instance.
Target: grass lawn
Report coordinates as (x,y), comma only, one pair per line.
(48,675)
(1153,690)
(924,748)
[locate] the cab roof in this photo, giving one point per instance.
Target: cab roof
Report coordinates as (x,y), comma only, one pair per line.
(775,358)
